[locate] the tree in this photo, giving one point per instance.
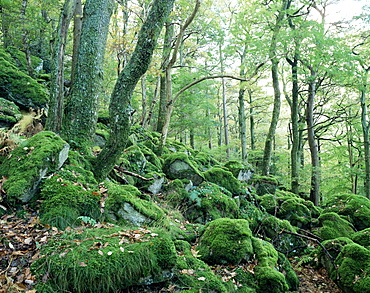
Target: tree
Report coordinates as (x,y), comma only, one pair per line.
(120,109)
(79,123)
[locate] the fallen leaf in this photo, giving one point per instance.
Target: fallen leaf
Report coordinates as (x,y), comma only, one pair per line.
(109,252)
(100,252)
(82,264)
(201,278)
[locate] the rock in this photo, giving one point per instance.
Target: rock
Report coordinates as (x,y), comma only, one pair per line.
(179,166)
(42,154)
(9,113)
(223,178)
(333,226)
(156,186)
(128,213)
(226,241)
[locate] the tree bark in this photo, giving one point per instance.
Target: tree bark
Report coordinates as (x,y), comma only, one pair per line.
(315,172)
(56,105)
(266,161)
(241,112)
(365,133)
(81,107)
(120,106)
(224,106)
(77,27)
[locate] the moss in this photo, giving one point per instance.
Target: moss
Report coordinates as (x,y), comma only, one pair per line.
(362,237)
(192,274)
(21,88)
(226,241)
(223,178)
(33,159)
(353,268)
(9,112)
(118,195)
(333,226)
(355,208)
(179,166)
(104,260)
(205,160)
(296,213)
(286,269)
(208,202)
(65,198)
(247,281)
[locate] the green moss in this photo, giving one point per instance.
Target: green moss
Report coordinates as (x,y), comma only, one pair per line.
(179,166)
(296,213)
(205,160)
(226,241)
(192,274)
(355,208)
(287,270)
(264,184)
(104,260)
(223,178)
(21,88)
(119,195)
(333,226)
(353,268)
(208,202)
(9,112)
(34,158)
(362,237)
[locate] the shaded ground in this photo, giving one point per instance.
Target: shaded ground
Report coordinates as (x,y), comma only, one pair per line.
(22,236)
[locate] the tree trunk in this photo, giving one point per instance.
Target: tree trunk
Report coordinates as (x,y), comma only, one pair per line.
(81,108)
(143,100)
(56,105)
(315,173)
(266,161)
(251,121)
(365,132)
(120,106)
(77,26)
(242,120)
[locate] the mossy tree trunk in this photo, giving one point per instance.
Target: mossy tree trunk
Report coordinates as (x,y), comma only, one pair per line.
(120,109)
(241,110)
(77,27)
(314,151)
(78,126)
(56,105)
(266,161)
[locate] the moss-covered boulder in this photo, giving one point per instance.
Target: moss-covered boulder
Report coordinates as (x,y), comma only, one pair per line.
(223,178)
(104,260)
(9,113)
(353,269)
(179,166)
(125,205)
(68,195)
(333,226)
(35,158)
(355,208)
(194,275)
(226,241)
(362,237)
(264,184)
(266,272)
(20,88)
(242,172)
(277,231)
(208,202)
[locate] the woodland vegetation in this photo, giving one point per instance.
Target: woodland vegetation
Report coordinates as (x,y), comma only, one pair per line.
(163,124)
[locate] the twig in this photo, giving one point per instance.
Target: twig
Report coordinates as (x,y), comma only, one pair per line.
(123,170)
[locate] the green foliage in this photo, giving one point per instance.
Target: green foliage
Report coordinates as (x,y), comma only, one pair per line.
(104,260)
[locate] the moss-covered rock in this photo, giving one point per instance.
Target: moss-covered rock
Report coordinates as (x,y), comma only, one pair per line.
(223,178)
(355,208)
(241,171)
(226,241)
(123,204)
(105,260)
(194,275)
(179,166)
(353,269)
(20,88)
(362,237)
(272,228)
(9,113)
(264,184)
(333,226)
(68,195)
(208,202)
(266,272)
(40,155)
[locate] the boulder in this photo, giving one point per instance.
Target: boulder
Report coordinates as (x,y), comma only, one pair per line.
(179,166)
(226,241)
(9,113)
(42,154)
(223,178)
(333,226)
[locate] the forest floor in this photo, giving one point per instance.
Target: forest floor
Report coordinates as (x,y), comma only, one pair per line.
(21,238)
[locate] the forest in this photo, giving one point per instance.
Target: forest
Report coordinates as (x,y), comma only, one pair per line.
(184,146)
